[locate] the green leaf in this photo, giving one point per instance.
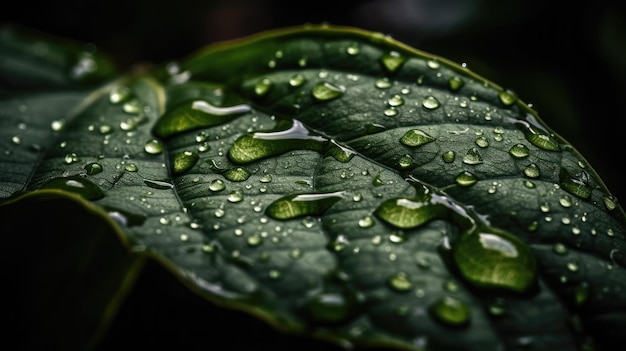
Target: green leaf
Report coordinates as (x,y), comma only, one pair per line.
(339,185)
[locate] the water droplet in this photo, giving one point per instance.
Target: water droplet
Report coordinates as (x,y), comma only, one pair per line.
(482,141)
(331,307)
(455,83)
(119,94)
(559,249)
(93,168)
(408,213)
(610,202)
(71,158)
(235,196)
(392,61)
(184,161)
(383,83)
(575,186)
(153,147)
(158,184)
(507,97)
(366,222)
(77,185)
(495,259)
(450,311)
(217,185)
(131,167)
(57,125)
(466,179)
(430,103)
(405,161)
(325,91)
(390,112)
(298,205)
(262,87)
(353,49)
(237,174)
(193,115)
(532,171)
(537,136)
(565,201)
(416,137)
(472,157)
(297,80)
(400,282)
(448,156)
(433,64)
(519,151)
(256,146)
(395,101)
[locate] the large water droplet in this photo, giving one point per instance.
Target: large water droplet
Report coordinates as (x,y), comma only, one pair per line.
(507,97)
(416,137)
(575,186)
(492,258)
(430,103)
(193,115)
(537,136)
(392,61)
(325,91)
(408,213)
(299,205)
(519,151)
(184,161)
(153,147)
(256,146)
(472,157)
(93,168)
(77,185)
(237,174)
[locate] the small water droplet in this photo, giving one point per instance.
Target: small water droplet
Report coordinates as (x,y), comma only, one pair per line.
(131,167)
(366,222)
(71,158)
(482,141)
(93,168)
(353,49)
(395,101)
(448,156)
(235,196)
(450,311)
(119,94)
(297,80)
(383,83)
(400,282)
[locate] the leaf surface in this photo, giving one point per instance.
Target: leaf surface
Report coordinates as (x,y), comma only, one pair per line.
(340,184)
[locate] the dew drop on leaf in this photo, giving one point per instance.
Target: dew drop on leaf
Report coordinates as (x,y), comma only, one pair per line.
(519,151)
(262,87)
(532,171)
(448,156)
(297,80)
(184,161)
(406,213)
(574,186)
(196,114)
(217,185)
(119,94)
(450,311)
(158,184)
(455,83)
(153,147)
(466,179)
(416,137)
(430,103)
(325,91)
(392,61)
(237,174)
(77,185)
(93,168)
(298,205)
(507,97)
(395,101)
(131,167)
(400,282)
(472,157)
(492,258)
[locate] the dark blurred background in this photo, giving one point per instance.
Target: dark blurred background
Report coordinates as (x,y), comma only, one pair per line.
(567,59)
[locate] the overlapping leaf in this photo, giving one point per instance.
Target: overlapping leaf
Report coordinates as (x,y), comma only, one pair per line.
(338,183)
